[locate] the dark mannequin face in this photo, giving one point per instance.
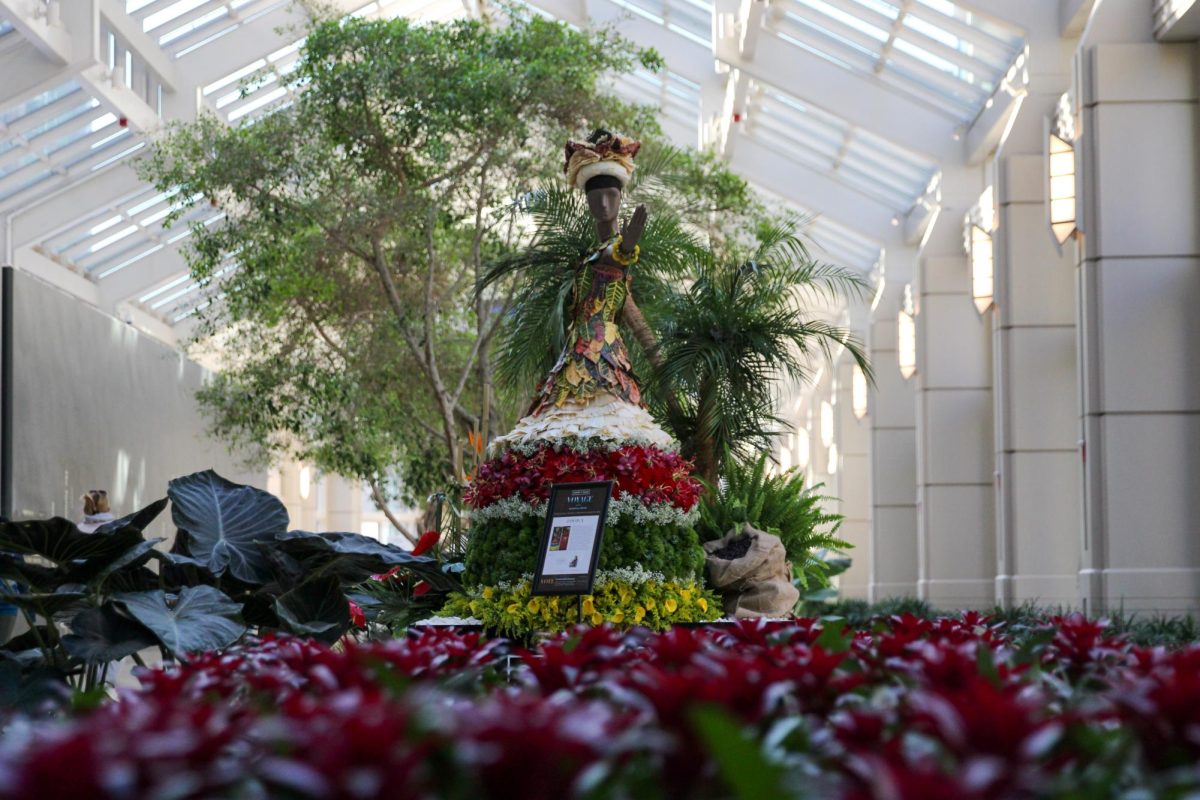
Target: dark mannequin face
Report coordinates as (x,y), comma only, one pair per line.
(605,204)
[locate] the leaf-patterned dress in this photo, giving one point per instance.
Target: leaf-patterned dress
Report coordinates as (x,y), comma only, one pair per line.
(595,358)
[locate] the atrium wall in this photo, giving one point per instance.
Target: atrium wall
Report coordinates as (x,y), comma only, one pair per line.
(99,405)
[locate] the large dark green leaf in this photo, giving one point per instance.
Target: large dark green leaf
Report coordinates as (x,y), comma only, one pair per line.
(104,634)
(47,605)
(224,521)
(198,618)
(60,541)
(138,519)
(316,608)
(95,571)
(35,576)
(136,579)
(43,635)
(353,558)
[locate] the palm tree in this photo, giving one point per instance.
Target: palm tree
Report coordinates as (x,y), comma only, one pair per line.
(729,338)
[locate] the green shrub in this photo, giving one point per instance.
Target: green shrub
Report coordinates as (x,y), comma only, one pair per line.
(778,504)
(504,550)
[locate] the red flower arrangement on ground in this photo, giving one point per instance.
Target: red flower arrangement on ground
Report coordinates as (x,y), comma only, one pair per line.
(644,472)
(951,708)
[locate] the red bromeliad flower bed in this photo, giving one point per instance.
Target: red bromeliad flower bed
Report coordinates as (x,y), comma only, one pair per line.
(647,473)
(960,708)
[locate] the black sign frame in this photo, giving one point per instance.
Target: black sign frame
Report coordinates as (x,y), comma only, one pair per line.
(551,584)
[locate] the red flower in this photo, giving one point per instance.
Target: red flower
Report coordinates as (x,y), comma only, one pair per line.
(426,542)
(421,588)
(357,618)
(646,473)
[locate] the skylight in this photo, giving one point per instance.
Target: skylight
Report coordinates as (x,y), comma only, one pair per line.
(932,50)
(691,19)
(827,143)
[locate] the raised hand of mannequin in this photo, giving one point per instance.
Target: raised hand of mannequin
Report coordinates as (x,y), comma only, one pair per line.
(633,230)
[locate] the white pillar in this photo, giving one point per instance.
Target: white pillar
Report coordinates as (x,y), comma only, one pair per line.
(891,415)
(955,481)
(1038,515)
(1140,314)
(854,502)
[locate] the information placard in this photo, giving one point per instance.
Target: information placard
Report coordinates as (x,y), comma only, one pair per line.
(570,546)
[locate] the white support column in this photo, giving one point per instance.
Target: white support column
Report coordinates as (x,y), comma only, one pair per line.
(854,466)
(891,414)
(1038,514)
(955,481)
(1140,314)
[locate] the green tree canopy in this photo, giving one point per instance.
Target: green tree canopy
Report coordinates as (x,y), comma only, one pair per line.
(357,223)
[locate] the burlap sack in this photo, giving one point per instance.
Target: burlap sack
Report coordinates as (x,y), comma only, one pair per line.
(759,584)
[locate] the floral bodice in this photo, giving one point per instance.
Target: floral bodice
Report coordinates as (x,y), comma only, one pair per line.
(595,358)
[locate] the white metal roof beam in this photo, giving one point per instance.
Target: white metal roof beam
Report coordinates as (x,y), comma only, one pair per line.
(863,101)
(32,21)
(777,173)
(1177,21)
(1028,15)
(27,73)
(144,276)
(141,43)
(58,212)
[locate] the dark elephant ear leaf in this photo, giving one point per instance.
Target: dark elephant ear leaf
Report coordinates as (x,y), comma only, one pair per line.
(103,634)
(60,541)
(315,608)
(199,618)
(96,571)
(224,521)
(138,519)
(353,557)
(47,604)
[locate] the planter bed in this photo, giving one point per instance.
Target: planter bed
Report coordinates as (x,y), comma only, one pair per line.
(954,707)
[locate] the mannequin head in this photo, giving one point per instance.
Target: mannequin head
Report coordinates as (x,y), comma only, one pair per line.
(604,201)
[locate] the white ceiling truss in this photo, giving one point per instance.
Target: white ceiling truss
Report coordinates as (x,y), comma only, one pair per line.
(845,110)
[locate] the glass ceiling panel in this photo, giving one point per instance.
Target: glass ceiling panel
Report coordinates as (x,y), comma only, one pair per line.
(689,18)
(677,98)
(932,50)
(183,26)
(57,133)
(869,163)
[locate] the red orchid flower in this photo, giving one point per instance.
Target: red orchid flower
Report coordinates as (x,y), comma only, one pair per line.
(357,617)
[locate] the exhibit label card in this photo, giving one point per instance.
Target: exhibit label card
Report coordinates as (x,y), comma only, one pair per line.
(571,542)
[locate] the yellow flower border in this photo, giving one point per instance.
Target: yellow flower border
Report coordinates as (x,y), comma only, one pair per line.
(514,612)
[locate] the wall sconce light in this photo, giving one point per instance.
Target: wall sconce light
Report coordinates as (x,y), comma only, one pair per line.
(305,482)
(803,448)
(826,424)
(982,268)
(906,335)
(858,391)
(785,459)
(1060,158)
(832,467)
(1062,188)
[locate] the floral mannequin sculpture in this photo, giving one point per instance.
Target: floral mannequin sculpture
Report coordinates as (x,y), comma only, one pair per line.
(595,358)
(587,423)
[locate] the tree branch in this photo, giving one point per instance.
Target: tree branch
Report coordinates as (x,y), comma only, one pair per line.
(381,504)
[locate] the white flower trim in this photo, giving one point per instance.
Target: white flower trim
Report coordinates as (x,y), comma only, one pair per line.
(605,417)
(516,508)
(578,445)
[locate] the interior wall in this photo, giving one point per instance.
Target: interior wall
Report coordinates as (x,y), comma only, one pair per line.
(99,405)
